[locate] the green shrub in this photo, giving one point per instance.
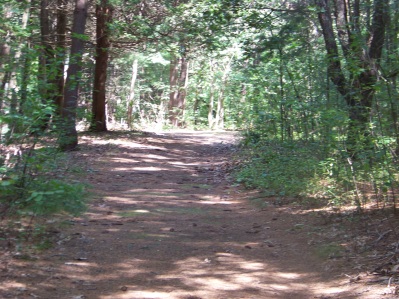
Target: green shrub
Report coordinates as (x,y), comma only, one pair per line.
(319,170)
(34,182)
(281,168)
(54,196)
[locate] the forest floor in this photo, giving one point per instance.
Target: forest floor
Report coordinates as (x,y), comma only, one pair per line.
(166,221)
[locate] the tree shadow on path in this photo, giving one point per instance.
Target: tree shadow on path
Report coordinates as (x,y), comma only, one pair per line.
(165,223)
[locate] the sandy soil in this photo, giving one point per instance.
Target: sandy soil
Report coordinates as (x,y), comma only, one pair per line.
(166,222)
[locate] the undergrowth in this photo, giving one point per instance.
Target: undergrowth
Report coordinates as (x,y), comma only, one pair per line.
(34,182)
(279,168)
(318,170)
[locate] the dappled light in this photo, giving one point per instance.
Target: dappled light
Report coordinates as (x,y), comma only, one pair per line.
(168,225)
(199,149)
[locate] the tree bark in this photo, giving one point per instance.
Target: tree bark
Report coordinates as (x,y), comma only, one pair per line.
(211,105)
(392,85)
(173,82)
(334,64)
(178,78)
(359,89)
(60,52)
(220,104)
(14,88)
(130,101)
(5,61)
(104,17)
(182,92)
(69,137)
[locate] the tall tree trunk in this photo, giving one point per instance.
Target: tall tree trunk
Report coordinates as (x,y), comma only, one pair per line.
(14,88)
(27,60)
(69,137)
(173,96)
(359,90)
(182,92)
(5,72)
(104,17)
(220,104)
(5,59)
(130,102)
(211,105)
(392,48)
(219,120)
(178,78)
(283,109)
(60,53)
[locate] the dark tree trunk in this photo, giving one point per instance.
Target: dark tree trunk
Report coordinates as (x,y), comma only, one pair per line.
(60,52)
(359,89)
(182,92)
(104,17)
(178,77)
(69,137)
(334,64)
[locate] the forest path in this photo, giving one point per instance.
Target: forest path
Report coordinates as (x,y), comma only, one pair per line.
(165,223)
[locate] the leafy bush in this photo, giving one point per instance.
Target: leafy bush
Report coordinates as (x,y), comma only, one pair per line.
(281,168)
(33,182)
(54,196)
(319,170)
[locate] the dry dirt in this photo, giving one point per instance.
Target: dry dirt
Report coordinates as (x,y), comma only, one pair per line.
(166,222)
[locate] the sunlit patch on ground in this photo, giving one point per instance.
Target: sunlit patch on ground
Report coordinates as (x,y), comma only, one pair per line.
(165,223)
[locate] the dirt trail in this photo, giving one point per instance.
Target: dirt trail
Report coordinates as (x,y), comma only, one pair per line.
(165,223)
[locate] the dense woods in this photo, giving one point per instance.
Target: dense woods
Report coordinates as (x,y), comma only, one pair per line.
(312,85)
